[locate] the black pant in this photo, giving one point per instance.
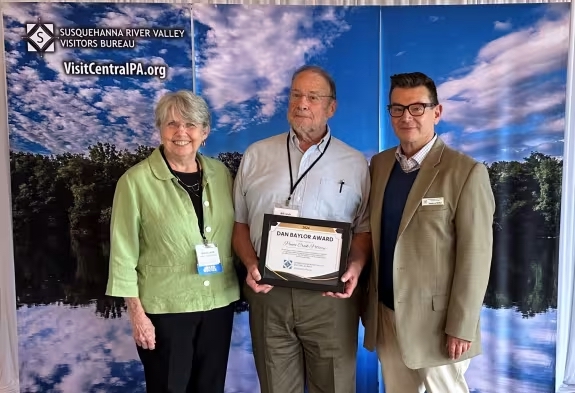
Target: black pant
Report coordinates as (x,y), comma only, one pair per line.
(191,354)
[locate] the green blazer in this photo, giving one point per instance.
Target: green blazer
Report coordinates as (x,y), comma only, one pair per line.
(442,256)
(154,231)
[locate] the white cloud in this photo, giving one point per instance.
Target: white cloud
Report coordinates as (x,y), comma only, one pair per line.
(150,59)
(512,79)
(434,18)
(502,26)
(68,113)
(534,142)
(450,138)
(132,114)
(469,147)
(88,93)
(135,15)
(251,52)
(29,13)
(12,58)
(556,126)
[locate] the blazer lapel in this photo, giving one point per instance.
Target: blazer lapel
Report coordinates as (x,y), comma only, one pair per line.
(423,181)
(380,177)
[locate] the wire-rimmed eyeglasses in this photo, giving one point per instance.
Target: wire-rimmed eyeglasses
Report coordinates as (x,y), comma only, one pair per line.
(312,98)
(416,109)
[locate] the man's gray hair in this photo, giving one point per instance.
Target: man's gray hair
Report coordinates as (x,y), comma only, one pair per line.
(191,107)
(319,71)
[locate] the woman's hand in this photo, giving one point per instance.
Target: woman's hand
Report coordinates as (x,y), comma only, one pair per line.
(143,331)
(142,328)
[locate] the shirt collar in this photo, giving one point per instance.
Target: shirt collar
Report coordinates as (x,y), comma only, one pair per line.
(320,146)
(417,156)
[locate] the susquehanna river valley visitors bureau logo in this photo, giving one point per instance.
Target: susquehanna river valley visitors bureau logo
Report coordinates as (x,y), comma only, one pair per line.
(41,37)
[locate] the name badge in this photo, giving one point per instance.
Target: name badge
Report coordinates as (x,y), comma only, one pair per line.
(283,209)
(286,211)
(432,201)
(208,259)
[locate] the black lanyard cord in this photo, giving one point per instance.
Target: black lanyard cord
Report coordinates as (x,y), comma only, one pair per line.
(292,185)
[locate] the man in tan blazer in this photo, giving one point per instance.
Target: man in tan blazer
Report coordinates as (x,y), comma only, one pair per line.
(431,220)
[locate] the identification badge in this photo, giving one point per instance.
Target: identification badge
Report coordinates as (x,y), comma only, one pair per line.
(208,259)
(283,210)
(432,201)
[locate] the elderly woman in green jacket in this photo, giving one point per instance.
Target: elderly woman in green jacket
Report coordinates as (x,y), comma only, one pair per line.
(171,253)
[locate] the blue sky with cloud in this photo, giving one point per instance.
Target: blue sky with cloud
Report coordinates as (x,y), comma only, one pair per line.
(51,112)
(246,55)
(244,60)
(500,72)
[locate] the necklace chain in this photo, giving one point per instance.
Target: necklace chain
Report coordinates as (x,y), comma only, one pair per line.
(195,188)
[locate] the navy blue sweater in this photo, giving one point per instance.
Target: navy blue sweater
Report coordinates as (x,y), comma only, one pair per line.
(394,198)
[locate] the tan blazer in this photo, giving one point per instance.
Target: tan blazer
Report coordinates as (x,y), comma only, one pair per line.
(442,257)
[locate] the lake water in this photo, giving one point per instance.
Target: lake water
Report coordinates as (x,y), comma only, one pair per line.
(73,349)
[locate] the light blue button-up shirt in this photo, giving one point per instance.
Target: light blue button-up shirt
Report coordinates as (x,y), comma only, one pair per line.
(336,188)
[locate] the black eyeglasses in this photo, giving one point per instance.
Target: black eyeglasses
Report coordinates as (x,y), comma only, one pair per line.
(417,109)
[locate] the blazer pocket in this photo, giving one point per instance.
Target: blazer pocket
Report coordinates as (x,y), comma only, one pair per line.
(439,302)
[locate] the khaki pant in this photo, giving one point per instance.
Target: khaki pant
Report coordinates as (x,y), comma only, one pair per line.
(300,337)
(398,378)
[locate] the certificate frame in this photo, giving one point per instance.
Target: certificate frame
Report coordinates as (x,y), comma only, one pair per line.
(300,226)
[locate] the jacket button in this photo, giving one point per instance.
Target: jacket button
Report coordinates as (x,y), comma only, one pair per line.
(206,203)
(208,229)
(206,283)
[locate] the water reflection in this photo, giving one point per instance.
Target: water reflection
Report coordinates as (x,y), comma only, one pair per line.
(524,278)
(73,349)
(518,353)
(523,275)
(67,349)
(75,339)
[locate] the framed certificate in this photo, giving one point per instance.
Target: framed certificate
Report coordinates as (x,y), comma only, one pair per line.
(304,253)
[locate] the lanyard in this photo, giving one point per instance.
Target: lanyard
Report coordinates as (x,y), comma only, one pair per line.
(292,185)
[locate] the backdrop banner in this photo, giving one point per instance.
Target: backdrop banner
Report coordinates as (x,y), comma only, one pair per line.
(83,80)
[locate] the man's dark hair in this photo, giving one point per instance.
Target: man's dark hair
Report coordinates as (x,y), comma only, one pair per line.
(414,79)
(321,72)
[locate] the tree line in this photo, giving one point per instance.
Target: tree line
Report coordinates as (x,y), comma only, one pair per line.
(61,206)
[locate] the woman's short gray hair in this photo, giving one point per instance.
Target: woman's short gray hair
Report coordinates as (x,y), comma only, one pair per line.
(191,107)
